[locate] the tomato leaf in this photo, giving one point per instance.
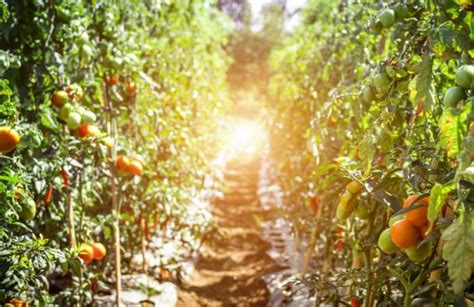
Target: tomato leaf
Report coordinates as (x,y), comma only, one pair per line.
(458,251)
(453,128)
(437,200)
(421,87)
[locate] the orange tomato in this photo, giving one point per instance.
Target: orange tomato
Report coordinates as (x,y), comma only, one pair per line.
(86,253)
(404,234)
(86,130)
(131,88)
(135,167)
(75,92)
(60,98)
(419,216)
(99,251)
(122,163)
(112,80)
(9,138)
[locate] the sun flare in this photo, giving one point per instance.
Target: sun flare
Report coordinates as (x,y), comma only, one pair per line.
(243,137)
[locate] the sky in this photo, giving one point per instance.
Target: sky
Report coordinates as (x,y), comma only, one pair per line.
(291,5)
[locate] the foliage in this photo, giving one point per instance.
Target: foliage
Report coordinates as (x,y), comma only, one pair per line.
(358,95)
(160,105)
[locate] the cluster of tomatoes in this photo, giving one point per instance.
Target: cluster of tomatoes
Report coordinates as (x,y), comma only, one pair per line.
(94,251)
(76,117)
(388,16)
(348,203)
(464,78)
(130,165)
(407,231)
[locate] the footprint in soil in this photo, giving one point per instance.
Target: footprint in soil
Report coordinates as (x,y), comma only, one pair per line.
(232,262)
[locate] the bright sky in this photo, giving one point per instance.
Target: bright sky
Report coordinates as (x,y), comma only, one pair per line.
(291,5)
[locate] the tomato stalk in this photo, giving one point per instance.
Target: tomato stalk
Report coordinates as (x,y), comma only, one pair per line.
(112,131)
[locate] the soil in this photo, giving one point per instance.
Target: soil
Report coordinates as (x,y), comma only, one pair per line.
(233,260)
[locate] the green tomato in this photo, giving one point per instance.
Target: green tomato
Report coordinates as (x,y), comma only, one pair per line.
(464,76)
(376,27)
(387,18)
(362,211)
(395,218)
(385,242)
(88,117)
(73,120)
(64,111)
(401,11)
(341,213)
(368,94)
(419,253)
(28,210)
(453,96)
(381,81)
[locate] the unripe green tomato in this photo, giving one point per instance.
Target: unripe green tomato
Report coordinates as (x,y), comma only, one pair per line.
(73,120)
(401,11)
(84,38)
(453,96)
(86,51)
(28,210)
(465,58)
(354,187)
(64,111)
(381,81)
(387,18)
(464,76)
(395,218)
(341,213)
(385,242)
(419,253)
(88,117)
(368,94)
(362,211)
(376,27)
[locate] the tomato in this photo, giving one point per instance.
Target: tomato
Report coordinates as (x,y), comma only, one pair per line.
(9,139)
(355,302)
(362,211)
(419,216)
(331,122)
(419,253)
(354,187)
(368,94)
(73,120)
(60,98)
(138,158)
(381,82)
(28,209)
(88,117)
(86,130)
(387,18)
(131,88)
(135,167)
(348,202)
(404,234)
(453,96)
(464,76)
(99,251)
(401,11)
(112,80)
(122,163)
(341,213)
(376,27)
(385,242)
(65,110)
(86,253)
(395,218)
(75,92)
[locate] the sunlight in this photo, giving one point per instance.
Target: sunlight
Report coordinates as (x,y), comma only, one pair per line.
(243,137)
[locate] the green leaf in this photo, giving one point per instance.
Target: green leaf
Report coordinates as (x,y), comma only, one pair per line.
(421,87)
(468,174)
(453,128)
(437,200)
(458,251)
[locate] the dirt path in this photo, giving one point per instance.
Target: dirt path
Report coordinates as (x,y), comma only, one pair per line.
(232,261)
